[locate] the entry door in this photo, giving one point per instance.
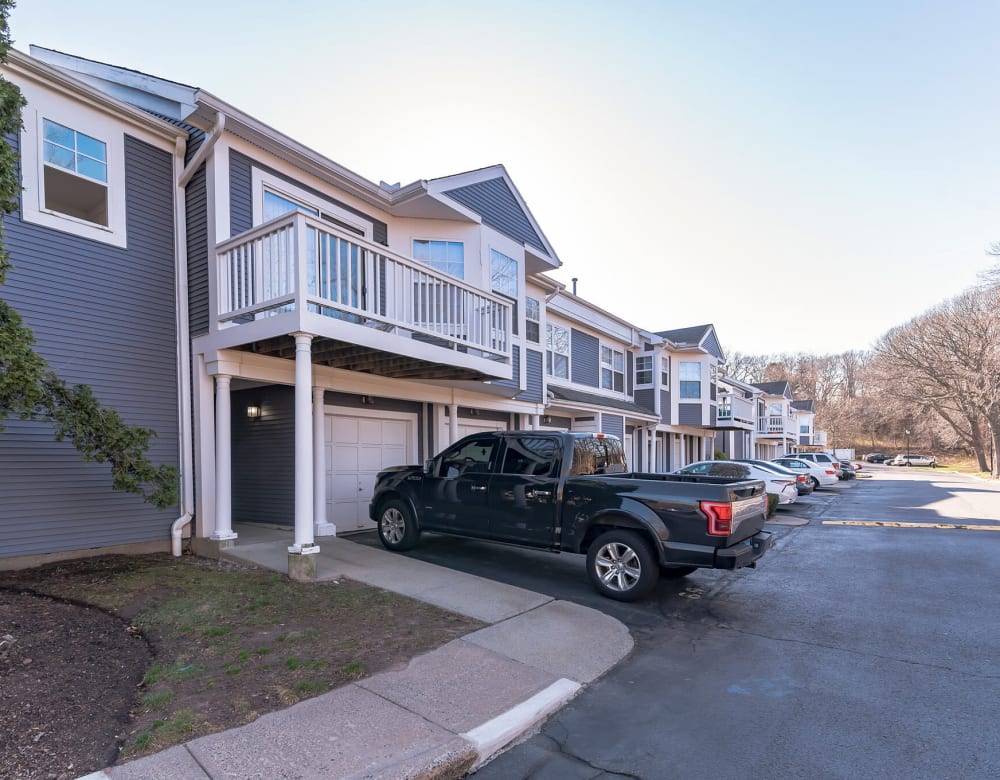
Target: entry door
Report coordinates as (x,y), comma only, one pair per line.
(358,447)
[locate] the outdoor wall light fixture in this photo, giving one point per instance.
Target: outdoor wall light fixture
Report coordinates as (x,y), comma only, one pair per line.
(253,412)
(367,400)
(546,420)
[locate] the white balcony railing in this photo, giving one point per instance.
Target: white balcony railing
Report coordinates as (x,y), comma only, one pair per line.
(776,425)
(300,263)
(733,409)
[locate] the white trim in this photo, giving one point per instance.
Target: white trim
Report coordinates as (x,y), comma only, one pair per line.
(105,129)
(263,179)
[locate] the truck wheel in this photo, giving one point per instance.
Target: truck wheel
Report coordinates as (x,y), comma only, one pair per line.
(621,566)
(396,528)
(676,572)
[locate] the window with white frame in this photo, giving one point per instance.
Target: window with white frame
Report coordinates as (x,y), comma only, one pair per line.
(532,318)
(446,256)
(503,274)
(644,370)
(274,196)
(612,369)
(690,379)
(556,351)
(75,173)
(665,372)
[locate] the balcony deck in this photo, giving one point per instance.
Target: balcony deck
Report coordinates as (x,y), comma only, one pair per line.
(734,414)
(370,309)
(774,426)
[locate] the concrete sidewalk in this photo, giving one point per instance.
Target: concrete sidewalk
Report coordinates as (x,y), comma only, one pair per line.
(445,714)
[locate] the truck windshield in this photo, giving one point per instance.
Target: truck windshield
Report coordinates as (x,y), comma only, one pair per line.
(597,456)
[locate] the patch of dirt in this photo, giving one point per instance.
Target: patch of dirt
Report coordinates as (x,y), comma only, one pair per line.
(107,659)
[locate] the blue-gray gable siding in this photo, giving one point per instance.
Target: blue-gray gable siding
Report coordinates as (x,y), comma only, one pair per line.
(533,377)
(613,424)
(585,358)
(665,406)
(515,364)
(102,316)
(646,398)
(496,204)
(689,414)
(711,344)
(241,197)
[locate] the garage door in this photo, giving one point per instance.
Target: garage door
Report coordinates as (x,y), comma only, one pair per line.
(358,447)
(467,426)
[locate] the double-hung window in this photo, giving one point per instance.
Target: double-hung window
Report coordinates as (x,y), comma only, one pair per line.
(644,370)
(556,351)
(503,274)
(75,173)
(532,318)
(665,372)
(612,369)
(445,256)
(690,379)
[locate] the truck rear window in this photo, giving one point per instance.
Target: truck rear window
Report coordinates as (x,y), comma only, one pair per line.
(597,456)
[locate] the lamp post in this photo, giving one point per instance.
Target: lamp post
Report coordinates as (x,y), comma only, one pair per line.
(907,432)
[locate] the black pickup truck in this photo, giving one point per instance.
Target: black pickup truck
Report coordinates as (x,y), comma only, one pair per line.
(571,492)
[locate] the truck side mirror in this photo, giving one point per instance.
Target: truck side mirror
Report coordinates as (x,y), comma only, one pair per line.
(429,467)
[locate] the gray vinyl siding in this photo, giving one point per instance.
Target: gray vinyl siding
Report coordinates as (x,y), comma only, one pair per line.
(263,455)
(102,316)
(689,414)
(713,415)
(711,344)
(264,449)
(585,358)
(241,197)
(713,391)
(196,235)
(496,204)
(738,449)
(646,398)
(665,406)
(515,363)
(803,439)
(629,373)
(533,368)
(613,424)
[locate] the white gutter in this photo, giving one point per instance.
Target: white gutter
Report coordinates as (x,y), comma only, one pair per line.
(185,442)
(203,151)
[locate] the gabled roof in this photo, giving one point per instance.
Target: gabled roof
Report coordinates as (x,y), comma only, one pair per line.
(776,388)
(490,193)
(804,406)
(700,336)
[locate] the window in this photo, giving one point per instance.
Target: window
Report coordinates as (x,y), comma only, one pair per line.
(597,455)
(644,370)
(557,351)
(75,173)
(690,380)
(468,457)
(665,372)
(274,196)
(445,256)
(612,369)
(803,429)
(531,456)
(503,274)
(532,316)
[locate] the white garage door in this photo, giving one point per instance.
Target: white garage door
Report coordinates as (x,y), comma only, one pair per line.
(467,426)
(358,447)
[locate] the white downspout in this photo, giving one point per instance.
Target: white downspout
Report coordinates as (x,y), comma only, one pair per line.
(183,174)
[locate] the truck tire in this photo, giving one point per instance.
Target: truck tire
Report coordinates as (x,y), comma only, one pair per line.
(621,566)
(397,530)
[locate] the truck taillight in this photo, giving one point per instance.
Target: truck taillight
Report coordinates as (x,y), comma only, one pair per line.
(720,517)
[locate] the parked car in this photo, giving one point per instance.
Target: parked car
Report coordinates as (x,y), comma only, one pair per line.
(803,484)
(876,457)
(821,476)
(847,470)
(819,458)
(783,485)
(570,492)
(913,459)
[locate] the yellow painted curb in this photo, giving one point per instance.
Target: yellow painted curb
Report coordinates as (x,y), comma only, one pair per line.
(886,524)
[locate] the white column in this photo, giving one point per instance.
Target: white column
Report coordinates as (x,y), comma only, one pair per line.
(651,441)
(304,540)
(321,526)
(223,461)
(453,423)
(535,422)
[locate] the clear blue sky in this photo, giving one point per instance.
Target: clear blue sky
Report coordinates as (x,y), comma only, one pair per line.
(804,175)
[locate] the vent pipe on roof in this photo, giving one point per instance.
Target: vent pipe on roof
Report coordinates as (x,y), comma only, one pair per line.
(574,285)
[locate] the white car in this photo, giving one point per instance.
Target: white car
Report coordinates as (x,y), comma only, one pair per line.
(783,486)
(912,459)
(819,475)
(819,458)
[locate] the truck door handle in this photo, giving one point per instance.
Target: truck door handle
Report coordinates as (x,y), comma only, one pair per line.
(542,493)
(478,488)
